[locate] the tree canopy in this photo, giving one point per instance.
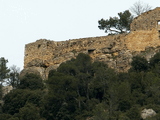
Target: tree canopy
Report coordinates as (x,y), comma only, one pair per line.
(139,64)
(13,79)
(117,25)
(31,81)
(81,89)
(3,70)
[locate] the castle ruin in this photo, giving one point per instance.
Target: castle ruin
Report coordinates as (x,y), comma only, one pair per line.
(115,50)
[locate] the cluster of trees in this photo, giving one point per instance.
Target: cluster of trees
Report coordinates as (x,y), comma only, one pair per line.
(24,102)
(8,76)
(81,89)
(121,24)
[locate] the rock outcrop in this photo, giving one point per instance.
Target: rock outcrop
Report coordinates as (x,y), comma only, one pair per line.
(147,113)
(115,50)
(6,90)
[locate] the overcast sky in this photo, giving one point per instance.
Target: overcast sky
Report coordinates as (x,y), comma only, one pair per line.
(25,21)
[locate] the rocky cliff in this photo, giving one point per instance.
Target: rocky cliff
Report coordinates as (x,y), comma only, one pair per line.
(115,50)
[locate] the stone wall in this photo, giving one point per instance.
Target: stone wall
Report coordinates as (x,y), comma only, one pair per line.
(44,53)
(147,21)
(116,50)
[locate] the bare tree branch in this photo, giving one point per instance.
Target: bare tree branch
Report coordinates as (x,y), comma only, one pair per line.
(139,8)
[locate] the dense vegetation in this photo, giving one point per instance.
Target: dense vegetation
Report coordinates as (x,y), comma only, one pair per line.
(81,89)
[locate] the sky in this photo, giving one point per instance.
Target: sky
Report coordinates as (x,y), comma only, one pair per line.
(25,21)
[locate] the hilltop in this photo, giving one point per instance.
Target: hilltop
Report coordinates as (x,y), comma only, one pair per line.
(115,50)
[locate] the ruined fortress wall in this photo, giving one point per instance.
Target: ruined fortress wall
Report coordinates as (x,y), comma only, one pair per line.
(50,52)
(147,20)
(140,40)
(44,55)
(41,49)
(115,50)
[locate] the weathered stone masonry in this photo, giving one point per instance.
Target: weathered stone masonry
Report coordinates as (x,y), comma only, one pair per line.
(116,50)
(147,21)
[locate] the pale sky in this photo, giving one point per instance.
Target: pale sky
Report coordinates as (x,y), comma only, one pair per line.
(25,21)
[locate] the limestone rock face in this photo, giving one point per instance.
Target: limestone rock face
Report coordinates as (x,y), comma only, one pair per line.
(146,113)
(34,70)
(36,62)
(115,50)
